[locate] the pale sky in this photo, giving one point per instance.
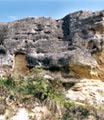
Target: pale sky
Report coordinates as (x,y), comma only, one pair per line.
(16,9)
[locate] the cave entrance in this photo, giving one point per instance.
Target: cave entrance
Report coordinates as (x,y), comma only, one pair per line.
(20,64)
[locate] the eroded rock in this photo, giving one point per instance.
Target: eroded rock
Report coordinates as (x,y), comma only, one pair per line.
(70,41)
(87,91)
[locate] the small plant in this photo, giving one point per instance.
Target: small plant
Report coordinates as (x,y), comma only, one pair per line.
(47,93)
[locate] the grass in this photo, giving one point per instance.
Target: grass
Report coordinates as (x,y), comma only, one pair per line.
(34,87)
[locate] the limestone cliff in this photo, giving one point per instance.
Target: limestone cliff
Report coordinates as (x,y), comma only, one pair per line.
(76,39)
(70,49)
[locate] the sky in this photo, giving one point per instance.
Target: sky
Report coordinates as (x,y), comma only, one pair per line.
(16,9)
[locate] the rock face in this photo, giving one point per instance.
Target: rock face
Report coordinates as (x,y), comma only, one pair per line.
(87,91)
(75,41)
(73,47)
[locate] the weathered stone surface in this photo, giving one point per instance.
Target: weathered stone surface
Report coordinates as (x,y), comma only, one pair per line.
(87,91)
(70,41)
(72,48)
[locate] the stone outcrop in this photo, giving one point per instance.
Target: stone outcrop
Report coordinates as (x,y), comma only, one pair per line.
(71,49)
(75,41)
(87,91)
